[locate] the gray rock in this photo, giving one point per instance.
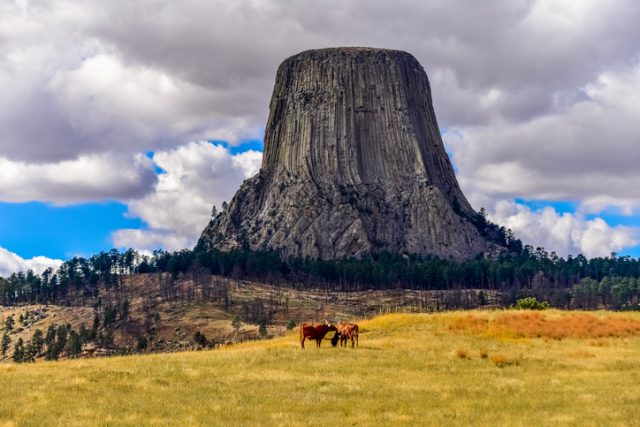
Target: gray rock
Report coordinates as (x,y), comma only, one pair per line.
(353,164)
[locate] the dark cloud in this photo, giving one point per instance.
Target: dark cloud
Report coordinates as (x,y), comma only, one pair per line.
(586,152)
(86,178)
(487,60)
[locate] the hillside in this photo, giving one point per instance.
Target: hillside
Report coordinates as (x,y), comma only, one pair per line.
(166,313)
(478,367)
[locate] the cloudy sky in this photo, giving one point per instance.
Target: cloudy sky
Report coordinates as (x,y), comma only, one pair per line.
(123,122)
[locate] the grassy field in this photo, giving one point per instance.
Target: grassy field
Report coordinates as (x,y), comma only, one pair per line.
(459,368)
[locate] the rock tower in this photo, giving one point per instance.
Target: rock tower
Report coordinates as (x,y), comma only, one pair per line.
(353,164)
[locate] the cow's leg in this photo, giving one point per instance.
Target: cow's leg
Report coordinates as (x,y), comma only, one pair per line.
(319,341)
(302,342)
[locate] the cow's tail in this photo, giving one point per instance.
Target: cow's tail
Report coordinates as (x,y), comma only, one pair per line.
(302,336)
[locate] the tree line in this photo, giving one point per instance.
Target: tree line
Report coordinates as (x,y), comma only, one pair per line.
(79,280)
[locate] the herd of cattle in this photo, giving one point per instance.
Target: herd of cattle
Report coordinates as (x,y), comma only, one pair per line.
(317,331)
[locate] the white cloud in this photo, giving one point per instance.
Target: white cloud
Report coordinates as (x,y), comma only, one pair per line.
(89,177)
(586,152)
(564,233)
(13,263)
(68,92)
(150,240)
(196,177)
(134,105)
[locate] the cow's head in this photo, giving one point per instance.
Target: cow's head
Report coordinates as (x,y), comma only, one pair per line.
(335,339)
(331,326)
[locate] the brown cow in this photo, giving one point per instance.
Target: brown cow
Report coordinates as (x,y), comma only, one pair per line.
(315,332)
(348,331)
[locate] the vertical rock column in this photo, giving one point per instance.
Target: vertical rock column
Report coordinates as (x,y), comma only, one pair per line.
(353,163)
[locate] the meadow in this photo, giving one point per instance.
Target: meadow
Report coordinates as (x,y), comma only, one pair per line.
(456,368)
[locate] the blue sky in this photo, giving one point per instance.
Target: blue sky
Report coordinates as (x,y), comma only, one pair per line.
(36,228)
(251,144)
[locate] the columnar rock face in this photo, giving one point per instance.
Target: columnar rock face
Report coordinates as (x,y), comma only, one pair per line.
(353,164)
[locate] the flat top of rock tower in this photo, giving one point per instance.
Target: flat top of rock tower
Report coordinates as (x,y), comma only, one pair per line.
(354,51)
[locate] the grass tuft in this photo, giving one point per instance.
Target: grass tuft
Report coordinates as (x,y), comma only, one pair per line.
(501,360)
(580,354)
(462,353)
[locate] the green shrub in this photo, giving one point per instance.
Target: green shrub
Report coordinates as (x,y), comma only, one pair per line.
(531,303)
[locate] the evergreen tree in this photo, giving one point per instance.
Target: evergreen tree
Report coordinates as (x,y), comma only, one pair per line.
(142,343)
(18,351)
(50,337)
(124,310)
(37,342)
(106,338)
(482,298)
(75,344)
(96,325)
(85,334)
(30,352)
(110,315)
(236,323)
(262,327)
(200,338)
(63,337)
(4,345)
(9,324)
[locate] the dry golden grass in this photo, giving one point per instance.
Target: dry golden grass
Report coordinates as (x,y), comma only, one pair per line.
(536,324)
(407,371)
(502,360)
